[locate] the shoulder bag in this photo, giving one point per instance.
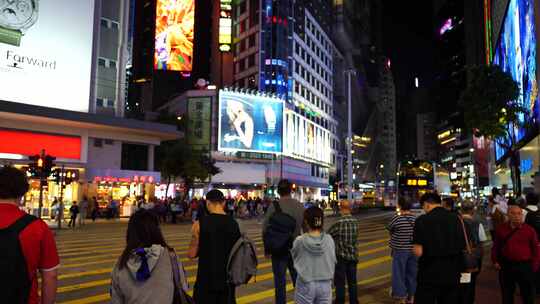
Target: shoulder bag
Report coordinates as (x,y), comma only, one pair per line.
(180,282)
(471,255)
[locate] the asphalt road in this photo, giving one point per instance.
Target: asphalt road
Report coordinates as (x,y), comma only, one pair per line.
(88,254)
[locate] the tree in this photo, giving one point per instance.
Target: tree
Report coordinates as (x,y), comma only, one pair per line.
(181,160)
(491,108)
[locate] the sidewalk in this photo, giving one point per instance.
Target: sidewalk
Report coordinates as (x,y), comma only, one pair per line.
(488,290)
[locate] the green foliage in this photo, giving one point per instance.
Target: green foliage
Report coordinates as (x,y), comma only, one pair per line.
(167,118)
(181,160)
(490,102)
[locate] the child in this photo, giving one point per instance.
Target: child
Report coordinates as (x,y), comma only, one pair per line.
(315,260)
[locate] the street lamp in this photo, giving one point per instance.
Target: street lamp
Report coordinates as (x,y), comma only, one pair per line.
(349,73)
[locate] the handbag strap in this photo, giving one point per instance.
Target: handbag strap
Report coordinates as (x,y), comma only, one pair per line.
(179,295)
(467,242)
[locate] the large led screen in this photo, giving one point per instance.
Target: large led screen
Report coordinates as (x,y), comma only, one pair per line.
(46,55)
(306,140)
(516,53)
(175,21)
(250,123)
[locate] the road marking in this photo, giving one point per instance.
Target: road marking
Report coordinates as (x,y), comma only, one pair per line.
(245,299)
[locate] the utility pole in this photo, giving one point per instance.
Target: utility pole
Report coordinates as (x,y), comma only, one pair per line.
(349,136)
(42,180)
(60,215)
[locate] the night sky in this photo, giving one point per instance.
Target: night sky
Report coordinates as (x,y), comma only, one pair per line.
(409,40)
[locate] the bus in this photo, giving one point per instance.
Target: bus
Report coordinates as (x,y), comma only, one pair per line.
(417,177)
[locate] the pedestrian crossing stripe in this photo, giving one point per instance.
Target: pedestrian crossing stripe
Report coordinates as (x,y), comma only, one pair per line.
(244,299)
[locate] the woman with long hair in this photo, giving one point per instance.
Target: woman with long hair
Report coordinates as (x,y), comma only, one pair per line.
(144,272)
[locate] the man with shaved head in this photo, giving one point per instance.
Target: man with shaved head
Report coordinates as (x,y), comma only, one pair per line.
(345,235)
(515,253)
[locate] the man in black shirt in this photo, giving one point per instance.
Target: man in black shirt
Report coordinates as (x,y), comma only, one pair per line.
(438,241)
(214,235)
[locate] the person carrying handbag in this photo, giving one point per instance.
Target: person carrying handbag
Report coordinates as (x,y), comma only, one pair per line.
(515,254)
(147,272)
(475,236)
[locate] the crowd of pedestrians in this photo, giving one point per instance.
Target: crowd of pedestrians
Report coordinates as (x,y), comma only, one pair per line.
(437,257)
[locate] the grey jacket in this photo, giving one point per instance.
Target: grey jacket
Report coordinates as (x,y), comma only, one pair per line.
(290,206)
(314,257)
(158,288)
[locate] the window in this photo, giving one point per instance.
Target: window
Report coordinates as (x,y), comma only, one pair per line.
(99,102)
(252,40)
(242,45)
(112,64)
(110,103)
(109,142)
(115,25)
(102,62)
(134,157)
(98,143)
(251,60)
(104,23)
(243,24)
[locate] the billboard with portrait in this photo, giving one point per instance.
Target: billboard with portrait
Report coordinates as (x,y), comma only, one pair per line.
(250,123)
(46,56)
(175,22)
(516,54)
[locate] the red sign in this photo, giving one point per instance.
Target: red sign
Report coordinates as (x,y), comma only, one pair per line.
(30,143)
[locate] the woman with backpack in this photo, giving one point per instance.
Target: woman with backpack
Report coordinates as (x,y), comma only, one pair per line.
(147,272)
(404,262)
(315,260)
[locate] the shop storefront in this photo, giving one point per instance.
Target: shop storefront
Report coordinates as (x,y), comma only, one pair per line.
(120,187)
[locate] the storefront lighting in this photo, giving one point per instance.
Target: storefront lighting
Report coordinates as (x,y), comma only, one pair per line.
(11,156)
(211,87)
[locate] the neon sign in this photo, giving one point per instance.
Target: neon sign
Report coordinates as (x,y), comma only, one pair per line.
(448,25)
(225,26)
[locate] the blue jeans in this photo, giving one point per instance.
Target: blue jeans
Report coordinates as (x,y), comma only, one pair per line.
(316,292)
(346,272)
(279,268)
(404,271)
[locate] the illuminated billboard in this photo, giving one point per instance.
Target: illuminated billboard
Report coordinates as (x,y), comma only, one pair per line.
(225,26)
(175,22)
(306,140)
(45,56)
(250,123)
(516,54)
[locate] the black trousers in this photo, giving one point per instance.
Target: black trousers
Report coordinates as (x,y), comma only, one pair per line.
(227,296)
(436,294)
(520,274)
(346,272)
(467,291)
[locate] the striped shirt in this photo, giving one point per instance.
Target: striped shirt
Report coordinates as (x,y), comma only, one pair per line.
(401,229)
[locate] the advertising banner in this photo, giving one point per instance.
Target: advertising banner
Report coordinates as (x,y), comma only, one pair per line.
(175,22)
(46,55)
(250,123)
(199,115)
(306,140)
(516,54)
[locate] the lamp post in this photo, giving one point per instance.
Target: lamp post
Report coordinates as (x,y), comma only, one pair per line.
(349,73)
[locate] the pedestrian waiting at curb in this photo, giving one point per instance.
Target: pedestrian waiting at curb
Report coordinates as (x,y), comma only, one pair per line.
(73,213)
(438,242)
(147,272)
(28,246)
(533,220)
(314,258)
(477,236)
(213,237)
(404,262)
(345,235)
(282,224)
(515,254)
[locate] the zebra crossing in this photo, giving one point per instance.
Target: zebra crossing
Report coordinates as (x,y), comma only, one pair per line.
(88,255)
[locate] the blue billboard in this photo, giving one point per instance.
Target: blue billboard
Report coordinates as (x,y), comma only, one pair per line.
(516,54)
(250,123)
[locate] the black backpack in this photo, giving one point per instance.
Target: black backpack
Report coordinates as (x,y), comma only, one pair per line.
(17,288)
(278,236)
(533,220)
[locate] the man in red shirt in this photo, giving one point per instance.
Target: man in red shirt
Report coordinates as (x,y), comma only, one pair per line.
(36,239)
(515,253)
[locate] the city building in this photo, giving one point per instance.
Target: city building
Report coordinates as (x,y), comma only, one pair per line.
(426,129)
(74,111)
